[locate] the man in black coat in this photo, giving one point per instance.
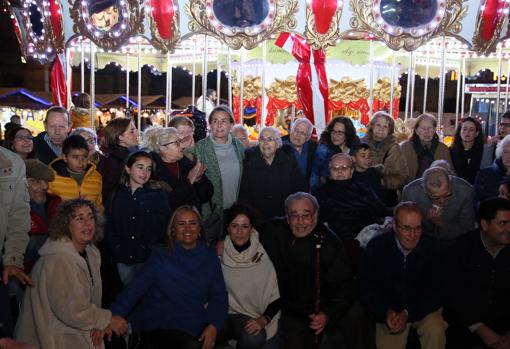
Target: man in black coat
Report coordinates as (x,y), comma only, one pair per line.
(401,283)
(307,313)
(479,279)
(48,144)
(300,140)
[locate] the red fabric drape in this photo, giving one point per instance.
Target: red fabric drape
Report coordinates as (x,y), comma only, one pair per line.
(361,105)
(273,105)
(252,103)
(381,105)
(58,81)
(163,14)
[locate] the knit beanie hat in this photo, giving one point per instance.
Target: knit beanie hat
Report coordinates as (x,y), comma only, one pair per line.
(37,170)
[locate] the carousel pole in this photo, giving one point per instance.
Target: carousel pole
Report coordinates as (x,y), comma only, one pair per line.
(463,85)
(169,75)
(127,80)
(392,86)
(193,72)
(426,86)
(229,77)
(441,83)
(218,77)
(82,67)
(507,84)
(498,96)
(92,84)
(371,80)
(139,118)
(69,80)
(241,86)
(204,73)
(413,82)
(408,87)
(458,95)
(263,92)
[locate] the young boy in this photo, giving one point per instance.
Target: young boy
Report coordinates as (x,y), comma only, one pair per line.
(75,176)
(363,172)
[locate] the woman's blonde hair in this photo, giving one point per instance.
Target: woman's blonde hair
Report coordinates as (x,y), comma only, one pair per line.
(170,235)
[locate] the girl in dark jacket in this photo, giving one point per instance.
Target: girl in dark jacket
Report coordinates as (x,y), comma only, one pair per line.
(137,216)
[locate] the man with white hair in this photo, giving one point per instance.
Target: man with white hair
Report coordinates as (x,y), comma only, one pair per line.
(489,150)
(300,139)
(446,203)
(270,174)
(488,179)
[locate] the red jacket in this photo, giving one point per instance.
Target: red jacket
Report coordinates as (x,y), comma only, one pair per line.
(38,225)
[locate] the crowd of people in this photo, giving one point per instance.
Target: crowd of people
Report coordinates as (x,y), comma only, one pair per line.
(168,239)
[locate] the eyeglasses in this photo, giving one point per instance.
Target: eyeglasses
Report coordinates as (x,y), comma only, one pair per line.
(408,229)
(178,142)
(340,168)
(504,124)
(263,139)
(305,217)
(300,134)
(24,138)
(445,196)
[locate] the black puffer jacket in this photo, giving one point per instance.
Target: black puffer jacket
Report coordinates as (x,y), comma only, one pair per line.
(348,207)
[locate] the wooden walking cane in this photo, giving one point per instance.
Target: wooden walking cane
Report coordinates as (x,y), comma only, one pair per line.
(318,245)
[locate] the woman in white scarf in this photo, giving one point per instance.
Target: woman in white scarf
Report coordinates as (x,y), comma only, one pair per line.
(253,296)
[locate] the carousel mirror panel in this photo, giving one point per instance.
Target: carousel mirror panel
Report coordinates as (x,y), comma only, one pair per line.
(407,24)
(241,23)
(108,23)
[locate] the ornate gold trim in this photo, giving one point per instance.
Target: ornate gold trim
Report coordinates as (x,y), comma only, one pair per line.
(252,87)
(487,46)
(156,40)
(283,89)
(316,40)
(131,23)
(199,21)
(395,38)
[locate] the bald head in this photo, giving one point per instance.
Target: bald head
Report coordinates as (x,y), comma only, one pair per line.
(436,183)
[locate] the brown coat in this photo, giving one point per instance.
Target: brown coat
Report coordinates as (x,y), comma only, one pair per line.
(65,303)
(388,161)
(442,153)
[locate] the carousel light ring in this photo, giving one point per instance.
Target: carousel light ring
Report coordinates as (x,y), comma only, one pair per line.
(322,22)
(489,24)
(241,23)
(164,23)
(107,23)
(414,27)
(42,22)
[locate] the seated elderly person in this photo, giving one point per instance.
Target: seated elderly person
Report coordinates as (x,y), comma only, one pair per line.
(479,307)
(446,203)
(347,206)
(270,174)
(299,139)
(401,283)
(488,179)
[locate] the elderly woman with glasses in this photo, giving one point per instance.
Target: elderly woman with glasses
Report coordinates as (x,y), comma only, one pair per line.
(423,147)
(270,174)
(91,137)
(183,180)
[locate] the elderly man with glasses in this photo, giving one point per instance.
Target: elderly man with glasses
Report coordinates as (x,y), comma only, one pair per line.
(402,283)
(314,279)
(446,202)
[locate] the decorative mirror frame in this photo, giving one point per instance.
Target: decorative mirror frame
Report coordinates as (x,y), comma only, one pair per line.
(44,47)
(313,37)
(203,20)
(131,23)
(447,21)
(481,45)
(156,40)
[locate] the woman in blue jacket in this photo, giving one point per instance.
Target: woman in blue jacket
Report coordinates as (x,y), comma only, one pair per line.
(184,295)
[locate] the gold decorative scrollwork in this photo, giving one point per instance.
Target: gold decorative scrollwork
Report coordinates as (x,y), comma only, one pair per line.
(252,87)
(200,20)
(382,90)
(316,40)
(158,42)
(131,23)
(283,89)
(363,21)
(347,90)
(479,44)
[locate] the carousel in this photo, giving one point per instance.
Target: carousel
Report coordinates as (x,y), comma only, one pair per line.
(276,60)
